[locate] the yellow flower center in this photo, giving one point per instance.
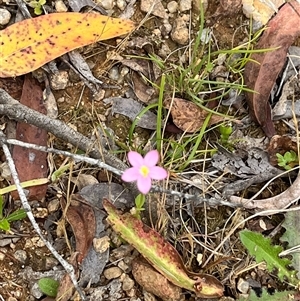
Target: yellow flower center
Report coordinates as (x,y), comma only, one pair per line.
(144,170)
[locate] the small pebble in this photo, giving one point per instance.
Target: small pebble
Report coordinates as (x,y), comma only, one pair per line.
(112,273)
(50,262)
(122,265)
(121,4)
(172,7)
(165,29)
(164,51)
(40,212)
(60,6)
(53,205)
(59,80)
(107,4)
(155,7)
(35,291)
(4,16)
(101,244)
(128,283)
(185,5)
(180,32)
(243,286)
(21,256)
(114,73)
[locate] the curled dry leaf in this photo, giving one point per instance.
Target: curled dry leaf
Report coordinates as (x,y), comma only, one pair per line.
(161,254)
(81,217)
(263,69)
(31,164)
(49,36)
(188,116)
(66,288)
(154,282)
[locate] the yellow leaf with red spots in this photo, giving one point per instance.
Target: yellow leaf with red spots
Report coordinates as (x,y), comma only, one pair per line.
(29,44)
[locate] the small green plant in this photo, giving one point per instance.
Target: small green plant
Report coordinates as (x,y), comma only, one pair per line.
(225,132)
(139,206)
(261,248)
(14,216)
(288,160)
(48,286)
(38,6)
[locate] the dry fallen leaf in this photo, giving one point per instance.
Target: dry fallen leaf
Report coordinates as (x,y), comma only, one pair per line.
(29,44)
(81,217)
(188,116)
(161,254)
(66,288)
(154,282)
(263,69)
(31,164)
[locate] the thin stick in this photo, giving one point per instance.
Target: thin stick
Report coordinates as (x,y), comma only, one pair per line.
(69,268)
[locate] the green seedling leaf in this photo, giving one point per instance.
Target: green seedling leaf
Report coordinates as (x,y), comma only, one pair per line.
(48,286)
(161,254)
(140,201)
(38,10)
(4,224)
(58,173)
(288,160)
(16,215)
(31,43)
(277,296)
(260,247)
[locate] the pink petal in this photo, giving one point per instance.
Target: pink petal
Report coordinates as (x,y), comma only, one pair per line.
(135,159)
(130,174)
(144,184)
(151,158)
(157,173)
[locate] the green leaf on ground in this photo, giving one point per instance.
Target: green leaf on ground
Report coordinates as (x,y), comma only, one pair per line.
(260,247)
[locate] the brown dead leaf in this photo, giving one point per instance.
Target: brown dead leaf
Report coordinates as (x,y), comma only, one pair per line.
(142,90)
(31,164)
(263,69)
(66,288)
(81,217)
(154,282)
(188,116)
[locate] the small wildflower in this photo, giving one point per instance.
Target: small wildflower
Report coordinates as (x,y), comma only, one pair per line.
(144,170)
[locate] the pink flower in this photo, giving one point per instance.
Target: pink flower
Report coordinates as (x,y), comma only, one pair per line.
(143,170)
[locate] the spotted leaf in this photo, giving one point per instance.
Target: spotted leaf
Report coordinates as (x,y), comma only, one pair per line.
(29,44)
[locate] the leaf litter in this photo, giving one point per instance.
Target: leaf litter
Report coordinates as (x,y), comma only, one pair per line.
(44,38)
(257,162)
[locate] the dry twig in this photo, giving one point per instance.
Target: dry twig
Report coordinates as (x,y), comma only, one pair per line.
(68,267)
